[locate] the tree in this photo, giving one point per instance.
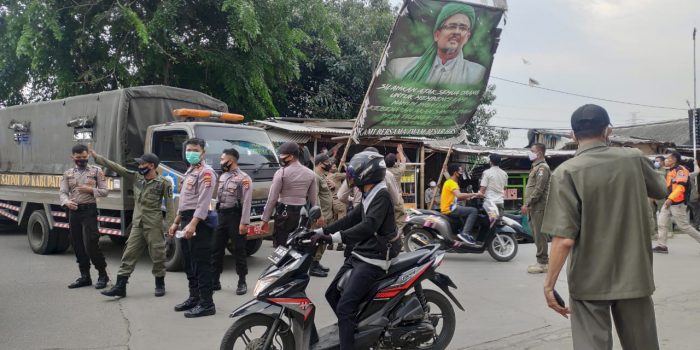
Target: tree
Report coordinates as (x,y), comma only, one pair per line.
(478,129)
(244,52)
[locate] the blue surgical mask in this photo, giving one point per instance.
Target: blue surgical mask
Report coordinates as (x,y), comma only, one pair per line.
(193,158)
(657,165)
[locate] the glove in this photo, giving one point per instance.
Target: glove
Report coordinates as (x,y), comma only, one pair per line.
(322,238)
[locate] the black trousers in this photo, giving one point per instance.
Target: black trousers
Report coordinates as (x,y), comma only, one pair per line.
(197,254)
(227,229)
(355,291)
(286,221)
(83,232)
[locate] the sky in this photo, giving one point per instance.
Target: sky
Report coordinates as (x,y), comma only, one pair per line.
(638,51)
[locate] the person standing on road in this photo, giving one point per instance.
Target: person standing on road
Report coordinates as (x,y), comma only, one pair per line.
(536,191)
(293,187)
(234,198)
(396,166)
(430,193)
(493,187)
(608,242)
(150,192)
(193,212)
(655,204)
(448,204)
(678,185)
(325,201)
(79,188)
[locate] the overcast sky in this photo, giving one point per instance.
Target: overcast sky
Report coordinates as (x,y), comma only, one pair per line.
(638,51)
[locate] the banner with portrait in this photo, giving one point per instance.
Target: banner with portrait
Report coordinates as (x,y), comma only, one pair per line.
(434,69)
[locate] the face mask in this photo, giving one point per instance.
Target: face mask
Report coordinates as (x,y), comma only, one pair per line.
(81,163)
(657,165)
(225,167)
(531,155)
(283,162)
(144,171)
(193,158)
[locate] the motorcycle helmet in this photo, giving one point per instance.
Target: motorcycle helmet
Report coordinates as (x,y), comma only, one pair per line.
(365,168)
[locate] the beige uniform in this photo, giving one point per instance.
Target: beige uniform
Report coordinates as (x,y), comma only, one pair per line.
(536,201)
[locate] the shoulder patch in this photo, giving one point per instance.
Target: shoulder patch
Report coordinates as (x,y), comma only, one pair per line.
(207,178)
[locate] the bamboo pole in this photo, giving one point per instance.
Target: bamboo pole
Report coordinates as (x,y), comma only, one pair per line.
(442,171)
(421,186)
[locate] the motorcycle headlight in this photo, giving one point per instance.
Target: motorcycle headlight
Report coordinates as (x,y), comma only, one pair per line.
(263,283)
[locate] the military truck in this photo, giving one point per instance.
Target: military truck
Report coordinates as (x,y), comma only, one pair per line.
(121,125)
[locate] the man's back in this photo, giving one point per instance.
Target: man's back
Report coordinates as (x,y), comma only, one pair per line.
(495,181)
(599,199)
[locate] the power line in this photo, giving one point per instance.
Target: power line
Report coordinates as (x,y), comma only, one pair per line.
(586,96)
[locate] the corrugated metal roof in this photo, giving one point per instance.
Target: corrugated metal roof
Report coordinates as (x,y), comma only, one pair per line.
(278,136)
(673,131)
(505,152)
(303,128)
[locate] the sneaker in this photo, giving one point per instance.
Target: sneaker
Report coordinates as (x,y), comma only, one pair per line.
(537,268)
(467,238)
(660,249)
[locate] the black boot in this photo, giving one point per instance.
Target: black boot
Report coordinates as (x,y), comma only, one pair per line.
(242,287)
(340,247)
(83,281)
(323,268)
(160,286)
(216,283)
(201,310)
(191,302)
(316,271)
(119,288)
(102,280)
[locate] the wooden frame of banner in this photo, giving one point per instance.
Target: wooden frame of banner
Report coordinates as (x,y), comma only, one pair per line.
(442,172)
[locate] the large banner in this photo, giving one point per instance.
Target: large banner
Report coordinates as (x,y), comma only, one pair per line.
(434,69)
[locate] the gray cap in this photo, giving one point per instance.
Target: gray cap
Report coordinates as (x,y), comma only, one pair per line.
(148,158)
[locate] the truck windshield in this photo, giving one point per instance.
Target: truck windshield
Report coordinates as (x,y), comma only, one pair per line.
(253,146)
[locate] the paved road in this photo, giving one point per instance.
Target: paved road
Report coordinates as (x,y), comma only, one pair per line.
(504,304)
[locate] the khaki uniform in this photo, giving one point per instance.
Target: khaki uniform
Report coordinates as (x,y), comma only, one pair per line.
(599,199)
(147,220)
(339,208)
(83,221)
(325,201)
(536,201)
(655,206)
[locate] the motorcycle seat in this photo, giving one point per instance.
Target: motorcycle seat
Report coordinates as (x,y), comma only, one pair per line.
(405,260)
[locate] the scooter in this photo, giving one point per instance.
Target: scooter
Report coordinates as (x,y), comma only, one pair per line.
(399,313)
(426,227)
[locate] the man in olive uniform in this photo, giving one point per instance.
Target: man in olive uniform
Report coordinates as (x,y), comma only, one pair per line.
(150,192)
(234,198)
(79,188)
(293,187)
(654,204)
(608,241)
(325,201)
(396,166)
(535,203)
(193,216)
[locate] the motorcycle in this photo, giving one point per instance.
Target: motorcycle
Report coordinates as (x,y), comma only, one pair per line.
(516,223)
(282,316)
(426,227)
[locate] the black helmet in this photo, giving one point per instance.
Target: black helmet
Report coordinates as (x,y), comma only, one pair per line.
(366,168)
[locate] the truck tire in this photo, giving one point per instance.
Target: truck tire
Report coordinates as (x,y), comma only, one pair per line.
(41,239)
(62,240)
(252,246)
(174,260)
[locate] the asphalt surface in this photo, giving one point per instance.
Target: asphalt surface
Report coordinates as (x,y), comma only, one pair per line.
(505,307)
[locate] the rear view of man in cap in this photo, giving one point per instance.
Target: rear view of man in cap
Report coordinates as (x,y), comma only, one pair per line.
(150,191)
(608,242)
(293,187)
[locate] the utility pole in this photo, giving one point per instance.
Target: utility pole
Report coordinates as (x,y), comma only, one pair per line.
(695,99)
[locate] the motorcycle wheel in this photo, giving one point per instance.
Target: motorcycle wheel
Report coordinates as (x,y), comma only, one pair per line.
(416,238)
(251,331)
(445,330)
(503,247)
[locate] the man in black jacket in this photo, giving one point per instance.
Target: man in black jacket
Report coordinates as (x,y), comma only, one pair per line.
(371,229)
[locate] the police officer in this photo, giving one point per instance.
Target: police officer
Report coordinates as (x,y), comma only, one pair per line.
(369,228)
(234,196)
(325,201)
(150,192)
(535,202)
(79,188)
(293,187)
(608,241)
(193,216)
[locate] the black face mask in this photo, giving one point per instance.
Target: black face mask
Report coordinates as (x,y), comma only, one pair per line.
(225,167)
(144,171)
(81,163)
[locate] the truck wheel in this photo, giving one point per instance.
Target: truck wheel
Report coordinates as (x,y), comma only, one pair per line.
(62,240)
(174,260)
(39,234)
(252,246)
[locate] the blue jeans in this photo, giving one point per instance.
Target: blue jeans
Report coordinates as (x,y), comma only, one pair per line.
(466,214)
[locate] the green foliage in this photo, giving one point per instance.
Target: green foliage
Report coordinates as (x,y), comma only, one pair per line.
(478,130)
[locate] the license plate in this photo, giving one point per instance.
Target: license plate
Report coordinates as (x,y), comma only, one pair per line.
(278,254)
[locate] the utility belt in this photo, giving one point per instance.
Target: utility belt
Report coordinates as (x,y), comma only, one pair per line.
(211,221)
(84,207)
(223,211)
(286,209)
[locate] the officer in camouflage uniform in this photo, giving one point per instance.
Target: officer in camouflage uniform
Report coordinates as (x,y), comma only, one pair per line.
(150,192)
(536,200)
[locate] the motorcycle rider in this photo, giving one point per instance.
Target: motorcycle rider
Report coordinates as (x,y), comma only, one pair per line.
(371,229)
(448,204)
